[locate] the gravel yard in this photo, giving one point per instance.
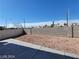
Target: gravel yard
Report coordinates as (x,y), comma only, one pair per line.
(70,45)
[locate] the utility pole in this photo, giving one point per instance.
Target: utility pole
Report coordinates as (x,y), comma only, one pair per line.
(67,17)
(6,23)
(24,23)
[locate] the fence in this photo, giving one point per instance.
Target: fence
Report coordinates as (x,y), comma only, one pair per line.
(72,31)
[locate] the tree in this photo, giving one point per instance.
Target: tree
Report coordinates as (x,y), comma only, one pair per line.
(45,25)
(2,28)
(65,24)
(52,25)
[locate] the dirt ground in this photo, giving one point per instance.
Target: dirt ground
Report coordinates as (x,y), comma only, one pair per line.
(60,43)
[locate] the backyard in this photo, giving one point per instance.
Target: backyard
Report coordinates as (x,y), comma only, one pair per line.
(70,45)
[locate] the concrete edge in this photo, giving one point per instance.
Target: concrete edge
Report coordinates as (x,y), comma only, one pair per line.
(34,46)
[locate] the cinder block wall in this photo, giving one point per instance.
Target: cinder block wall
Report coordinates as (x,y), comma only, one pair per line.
(56,31)
(76,31)
(10,33)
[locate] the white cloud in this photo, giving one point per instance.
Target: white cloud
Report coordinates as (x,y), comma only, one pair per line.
(37,24)
(44,23)
(11,26)
(64,21)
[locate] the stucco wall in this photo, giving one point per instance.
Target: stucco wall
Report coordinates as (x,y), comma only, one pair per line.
(10,33)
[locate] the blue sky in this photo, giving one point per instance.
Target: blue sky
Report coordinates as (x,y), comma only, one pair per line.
(15,11)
